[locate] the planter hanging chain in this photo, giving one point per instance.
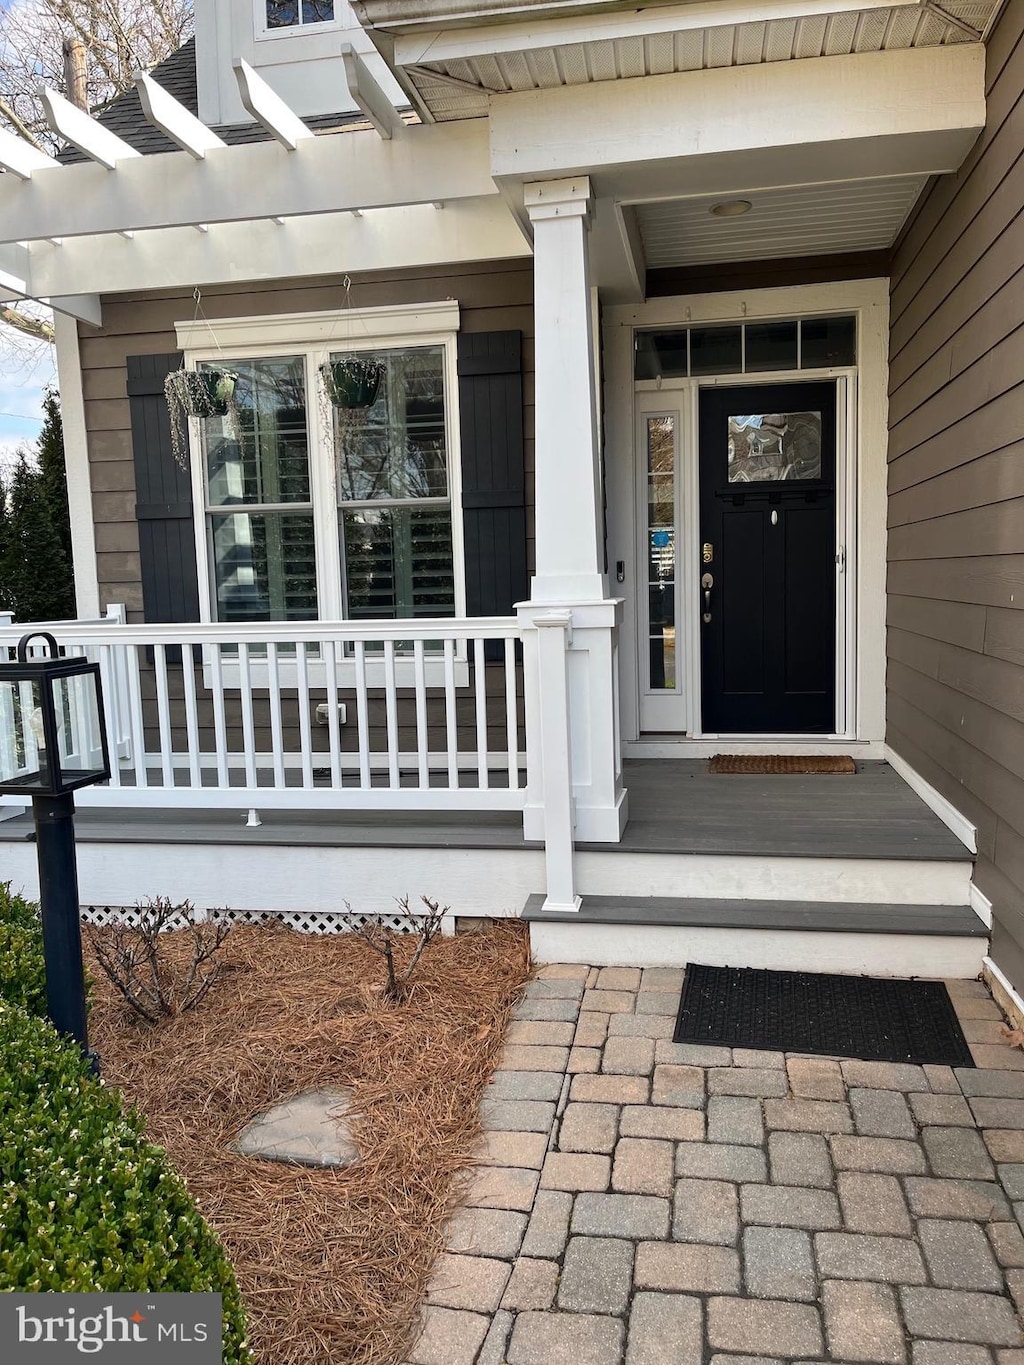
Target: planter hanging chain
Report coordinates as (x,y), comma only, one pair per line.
(349,384)
(199,394)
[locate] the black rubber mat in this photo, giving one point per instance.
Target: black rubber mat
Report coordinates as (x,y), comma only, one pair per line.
(872,1018)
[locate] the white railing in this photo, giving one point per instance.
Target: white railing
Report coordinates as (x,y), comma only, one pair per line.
(381,715)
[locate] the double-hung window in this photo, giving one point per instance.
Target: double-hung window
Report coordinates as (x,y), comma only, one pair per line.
(317,511)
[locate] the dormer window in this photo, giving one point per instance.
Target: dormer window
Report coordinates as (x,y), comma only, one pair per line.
(293,14)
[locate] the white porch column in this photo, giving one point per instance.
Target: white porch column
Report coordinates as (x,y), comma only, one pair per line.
(570,574)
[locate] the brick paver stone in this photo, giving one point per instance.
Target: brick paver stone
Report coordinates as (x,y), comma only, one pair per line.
(682,1085)
(591,1030)
(524,1085)
(502,1187)
(621,1215)
(858,1256)
(517,1057)
(1004,1058)
(583,1059)
(862,1322)
(512,1149)
(687,1268)
(778,1263)
(546,1009)
(588,1128)
(660,1027)
(941,1079)
(758,1057)
(953,1315)
(575,1171)
(564,1339)
(760,1082)
(648,1120)
(998,1113)
(486,1232)
(977,1199)
(998,1084)
(449,1337)
(618,979)
(815,1078)
(470,1282)
(787,1206)
(596,1275)
(892,1156)
(628,1056)
(493,1350)
(533,1284)
(884,1075)
(948,1110)
(787,1330)
(554,988)
(705,1211)
(1004,1144)
(873,1203)
(808,1116)
(957,1152)
(657,1002)
(518,1116)
(731,1119)
(609,1002)
(662,979)
(958,1255)
(548,1231)
(721,1161)
(665,1329)
(562,971)
(643,1166)
(610,1089)
(881,1113)
(536,1032)
(693,1054)
(949,1353)
(1008,1244)
(1012,1179)
(800,1159)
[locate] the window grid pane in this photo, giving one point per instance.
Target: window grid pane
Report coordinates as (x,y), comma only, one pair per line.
(746,348)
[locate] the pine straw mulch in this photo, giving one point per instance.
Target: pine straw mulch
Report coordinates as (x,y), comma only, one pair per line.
(332,1265)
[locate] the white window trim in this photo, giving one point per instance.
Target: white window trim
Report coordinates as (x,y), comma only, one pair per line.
(262,30)
(316,336)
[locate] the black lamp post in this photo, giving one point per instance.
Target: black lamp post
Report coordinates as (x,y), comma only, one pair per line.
(53,740)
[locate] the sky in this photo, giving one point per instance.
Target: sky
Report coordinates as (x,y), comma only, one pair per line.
(22,380)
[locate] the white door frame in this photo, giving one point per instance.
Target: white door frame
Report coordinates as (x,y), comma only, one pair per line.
(860,496)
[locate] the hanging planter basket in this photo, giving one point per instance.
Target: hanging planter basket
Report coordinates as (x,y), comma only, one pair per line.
(199,394)
(352,383)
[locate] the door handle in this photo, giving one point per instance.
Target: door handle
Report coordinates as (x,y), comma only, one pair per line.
(707,582)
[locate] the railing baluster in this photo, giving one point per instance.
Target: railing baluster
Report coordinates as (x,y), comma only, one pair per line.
(276,736)
(112,710)
(248,729)
(305,743)
(163,711)
(188,678)
(422,738)
(136,719)
(333,728)
(362,717)
(480,668)
(220,737)
(391,705)
(451,721)
(511,715)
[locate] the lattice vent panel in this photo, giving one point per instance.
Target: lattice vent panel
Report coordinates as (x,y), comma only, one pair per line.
(305,921)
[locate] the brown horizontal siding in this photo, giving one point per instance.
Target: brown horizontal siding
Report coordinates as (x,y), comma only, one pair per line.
(493,296)
(955,678)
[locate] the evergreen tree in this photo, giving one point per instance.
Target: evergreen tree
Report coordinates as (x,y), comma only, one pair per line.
(36,575)
(6,599)
(50,452)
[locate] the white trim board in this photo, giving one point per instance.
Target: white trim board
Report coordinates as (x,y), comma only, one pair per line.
(935,801)
(672,746)
(348,328)
(1005,994)
(76,463)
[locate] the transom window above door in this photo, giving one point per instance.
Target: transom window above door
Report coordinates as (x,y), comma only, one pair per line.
(287,14)
(746,348)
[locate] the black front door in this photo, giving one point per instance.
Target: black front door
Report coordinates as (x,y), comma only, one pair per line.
(768,558)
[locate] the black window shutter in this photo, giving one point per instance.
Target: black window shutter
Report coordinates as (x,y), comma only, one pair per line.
(493,470)
(163,493)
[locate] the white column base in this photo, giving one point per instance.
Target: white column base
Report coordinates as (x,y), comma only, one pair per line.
(556,907)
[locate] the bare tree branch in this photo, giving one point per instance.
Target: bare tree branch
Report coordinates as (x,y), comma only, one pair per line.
(25,323)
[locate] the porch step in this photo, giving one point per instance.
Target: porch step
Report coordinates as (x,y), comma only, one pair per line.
(656,931)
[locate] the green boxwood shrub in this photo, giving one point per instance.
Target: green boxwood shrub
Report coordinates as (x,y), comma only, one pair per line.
(22,975)
(86,1203)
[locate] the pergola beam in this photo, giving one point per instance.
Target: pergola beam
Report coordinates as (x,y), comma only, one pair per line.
(334,173)
(74,125)
(368,95)
(20,157)
(172,118)
(268,108)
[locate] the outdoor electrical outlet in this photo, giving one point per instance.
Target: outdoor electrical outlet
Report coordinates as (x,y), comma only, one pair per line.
(322,717)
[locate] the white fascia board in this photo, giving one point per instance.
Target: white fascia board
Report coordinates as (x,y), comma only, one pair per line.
(327,174)
(703,117)
(454,44)
(362,327)
(385,239)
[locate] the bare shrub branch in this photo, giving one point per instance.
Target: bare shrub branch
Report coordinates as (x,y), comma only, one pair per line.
(420,926)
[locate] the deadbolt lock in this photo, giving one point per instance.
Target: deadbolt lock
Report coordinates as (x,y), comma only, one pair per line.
(707,553)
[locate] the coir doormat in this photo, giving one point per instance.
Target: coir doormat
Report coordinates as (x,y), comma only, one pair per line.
(782,764)
(871,1018)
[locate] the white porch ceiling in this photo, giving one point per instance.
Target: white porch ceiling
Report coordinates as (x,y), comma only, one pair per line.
(804,220)
(459,88)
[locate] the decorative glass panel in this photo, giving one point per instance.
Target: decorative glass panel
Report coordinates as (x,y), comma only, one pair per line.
(76,709)
(773,447)
(22,743)
(716,350)
(770,346)
(264,566)
(259,454)
(398,562)
(661,550)
(825,342)
(289,13)
(397,448)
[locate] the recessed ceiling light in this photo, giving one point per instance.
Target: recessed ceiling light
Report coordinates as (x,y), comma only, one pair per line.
(731,208)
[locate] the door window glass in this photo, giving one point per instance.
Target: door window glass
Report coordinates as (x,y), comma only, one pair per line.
(773,447)
(747,348)
(661,550)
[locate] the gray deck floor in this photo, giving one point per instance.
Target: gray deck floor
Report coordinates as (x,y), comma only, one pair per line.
(675,807)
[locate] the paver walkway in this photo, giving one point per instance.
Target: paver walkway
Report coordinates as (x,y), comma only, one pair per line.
(650,1203)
